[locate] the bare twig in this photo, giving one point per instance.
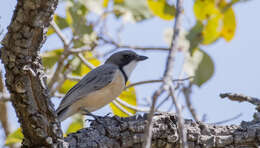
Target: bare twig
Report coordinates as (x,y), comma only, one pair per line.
(74,78)
(186,93)
(136,108)
(163,101)
(88,64)
(133,47)
(175,38)
(228,120)
(121,108)
(242,98)
(181,128)
(154,81)
(167,74)
(3,107)
(148,132)
(62,79)
(80,49)
(65,54)
(59,33)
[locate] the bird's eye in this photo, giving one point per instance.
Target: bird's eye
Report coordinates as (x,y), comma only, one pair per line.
(126,56)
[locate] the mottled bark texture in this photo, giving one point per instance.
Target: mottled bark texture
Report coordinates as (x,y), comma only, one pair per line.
(25,77)
(129,132)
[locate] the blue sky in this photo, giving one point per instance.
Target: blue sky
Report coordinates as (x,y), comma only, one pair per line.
(236,62)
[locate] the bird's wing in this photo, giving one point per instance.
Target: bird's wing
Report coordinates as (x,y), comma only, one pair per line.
(94,80)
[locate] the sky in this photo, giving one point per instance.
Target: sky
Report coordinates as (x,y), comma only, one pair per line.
(235,62)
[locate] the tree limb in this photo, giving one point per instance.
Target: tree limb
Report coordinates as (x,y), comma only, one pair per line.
(129,132)
(168,71)
(29,93)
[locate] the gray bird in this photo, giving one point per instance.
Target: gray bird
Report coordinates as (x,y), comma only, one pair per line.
(100,86)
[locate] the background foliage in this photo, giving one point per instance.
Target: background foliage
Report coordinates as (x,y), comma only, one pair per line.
(86,23)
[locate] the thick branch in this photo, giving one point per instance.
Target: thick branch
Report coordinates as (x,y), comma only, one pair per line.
(129,132)
(25,77)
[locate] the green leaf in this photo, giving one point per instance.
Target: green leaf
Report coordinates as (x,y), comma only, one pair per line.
(60,21)
(128,96)
(49,58)
(204,9)
(199,65)
(132,10)
(76,13)
(15,137)
(76,125)
(195,36)
(162,9)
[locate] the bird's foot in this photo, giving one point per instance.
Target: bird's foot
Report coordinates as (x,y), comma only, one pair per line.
(88,113)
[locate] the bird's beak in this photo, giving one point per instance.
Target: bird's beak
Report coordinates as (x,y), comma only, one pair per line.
(141,58)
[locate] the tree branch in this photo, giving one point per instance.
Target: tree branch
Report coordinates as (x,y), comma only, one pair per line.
(242,98)
(168,71)
(116,132)
(153,81)
(29,94)
(187,92)
(132,47)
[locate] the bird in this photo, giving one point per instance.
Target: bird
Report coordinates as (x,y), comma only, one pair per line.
(100,86)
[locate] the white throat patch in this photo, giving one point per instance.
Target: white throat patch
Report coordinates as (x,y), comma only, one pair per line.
(128,69)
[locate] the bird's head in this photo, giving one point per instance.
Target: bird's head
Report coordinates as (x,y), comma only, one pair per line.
(125,60)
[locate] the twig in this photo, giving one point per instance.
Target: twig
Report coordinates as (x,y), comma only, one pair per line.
(133,47)
(62,79)
(65,54)
(175,38)
(186,93)
(154,81)
(163,101)
(167,74)
(59,33)
(140,109)
(121,108)
(242,98)
(88,64)
(181,128)
(74,78)
(148,132)
(80,49)
(228,120)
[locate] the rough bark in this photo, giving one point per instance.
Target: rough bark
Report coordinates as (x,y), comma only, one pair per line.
(25,77)
(129,132)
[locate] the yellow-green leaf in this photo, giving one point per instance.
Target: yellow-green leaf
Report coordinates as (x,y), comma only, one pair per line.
(204,9)
(212,30)
(199,65)
(105,3)
(76,125)
(15,137)
(229,25)
(67,85)
(127,96)
(49,58)
(162,9)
